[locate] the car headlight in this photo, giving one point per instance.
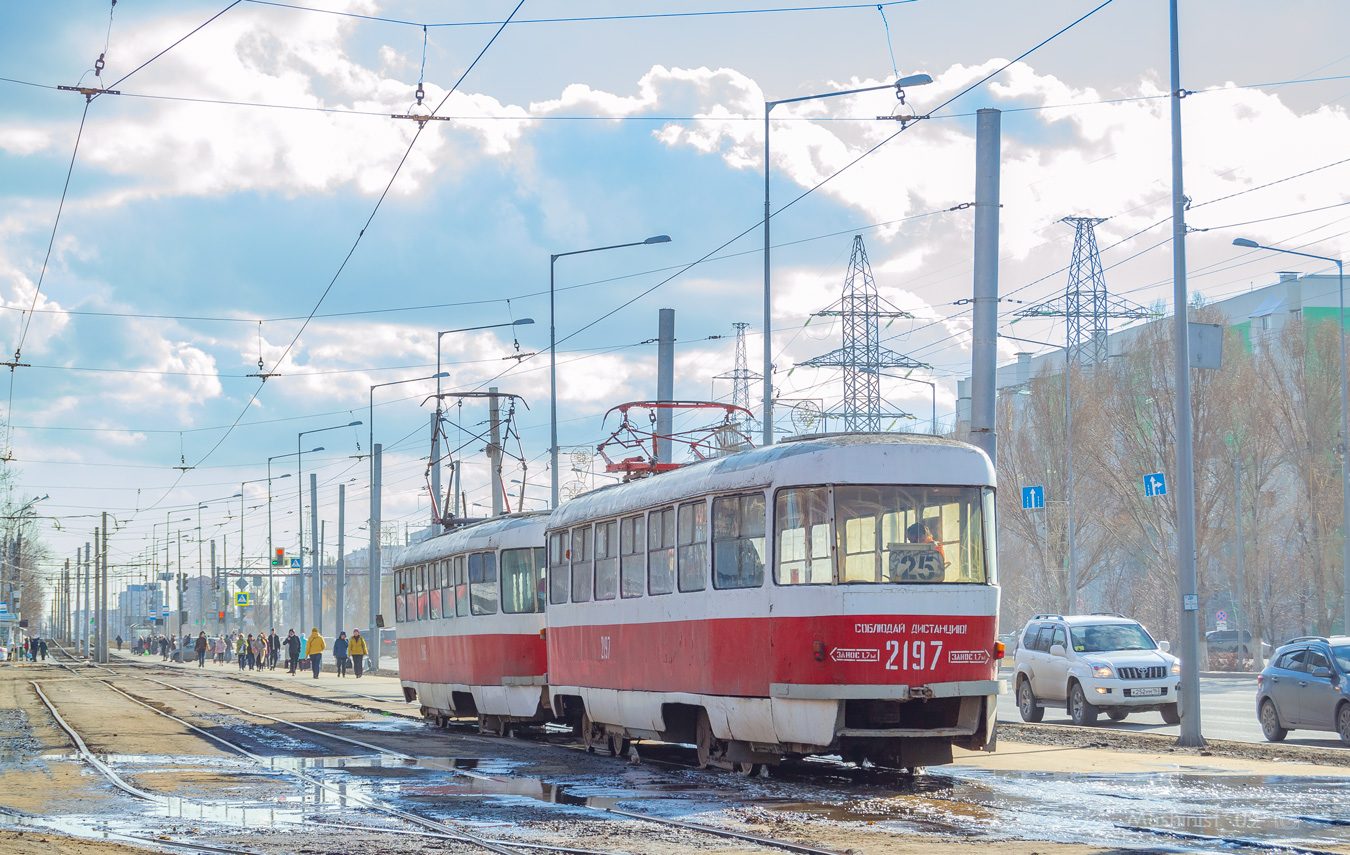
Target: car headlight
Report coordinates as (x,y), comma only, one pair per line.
(1102,671)
(1176,667)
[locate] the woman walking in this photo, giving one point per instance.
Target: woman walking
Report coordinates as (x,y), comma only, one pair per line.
(259,653)
(218,651)
(357,650)
(241,651)
(340,654)
(199,647)
(314,648)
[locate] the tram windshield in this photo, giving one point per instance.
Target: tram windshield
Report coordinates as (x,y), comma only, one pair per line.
(884,534)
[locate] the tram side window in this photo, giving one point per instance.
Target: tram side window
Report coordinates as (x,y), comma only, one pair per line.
(447,582)
(632,555)
(434,591)
(738,541)
(802,521)
(606,560)
(420,582)
(582,559)
(461,588)
(910,534)
(522,580)
(661,551)
(692,552)
(557,565)
(401,599)
(483,582)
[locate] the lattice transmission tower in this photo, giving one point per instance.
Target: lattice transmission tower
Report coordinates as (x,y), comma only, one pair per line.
(741,375)
(862,357)
(1086,306)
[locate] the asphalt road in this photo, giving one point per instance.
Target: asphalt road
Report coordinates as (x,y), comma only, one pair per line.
(1227,711)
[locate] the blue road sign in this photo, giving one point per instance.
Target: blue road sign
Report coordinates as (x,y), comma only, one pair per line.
(241,598)
(4,608)
(1033,497)
(295,563)
(165,611)
(1155,484)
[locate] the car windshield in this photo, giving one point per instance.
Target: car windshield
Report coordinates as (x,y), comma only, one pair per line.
(1110,636)
(1342,654)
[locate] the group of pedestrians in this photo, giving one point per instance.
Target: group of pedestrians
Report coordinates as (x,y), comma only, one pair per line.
(262,652)
(30,650)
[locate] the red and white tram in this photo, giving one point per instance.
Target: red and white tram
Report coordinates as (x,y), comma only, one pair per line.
(470,611)
(831,594)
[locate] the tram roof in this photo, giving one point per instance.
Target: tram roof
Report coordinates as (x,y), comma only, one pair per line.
(755,468)
(484,534)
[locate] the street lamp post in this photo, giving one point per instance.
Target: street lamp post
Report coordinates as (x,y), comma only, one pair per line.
(1345,420)
(242,553)
(553,352)
(300,521)
(912,80)
(271,590)
(932,387)
(435,436)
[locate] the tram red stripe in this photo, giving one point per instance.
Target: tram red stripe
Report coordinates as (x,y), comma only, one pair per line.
(475,660)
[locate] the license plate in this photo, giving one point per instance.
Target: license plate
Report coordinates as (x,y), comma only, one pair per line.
(1145,693)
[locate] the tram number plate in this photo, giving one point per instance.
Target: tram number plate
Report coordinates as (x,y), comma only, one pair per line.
(914,562)
(1144,693)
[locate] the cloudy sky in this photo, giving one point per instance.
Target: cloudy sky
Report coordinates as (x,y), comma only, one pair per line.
(213,205)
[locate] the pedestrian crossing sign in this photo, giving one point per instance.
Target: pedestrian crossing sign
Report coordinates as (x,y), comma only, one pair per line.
(243,598)
(295,563)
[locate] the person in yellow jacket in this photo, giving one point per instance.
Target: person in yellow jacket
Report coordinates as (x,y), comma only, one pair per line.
(358,651)
(314,648)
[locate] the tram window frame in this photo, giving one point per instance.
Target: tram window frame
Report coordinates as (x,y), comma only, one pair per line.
(559,548)
(400,598)
(582,564)
(732,545)
(420,585)
(691,547)
(607,560)
(820,500)
(632,556)
(526,600)
(873,547)
(483,590)
(447,588)
(661,551)
(461,588)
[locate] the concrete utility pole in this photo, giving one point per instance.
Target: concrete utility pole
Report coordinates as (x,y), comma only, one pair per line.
(314,558)
(436,464)
(340,607)
(495,451)
(984,350)
(374,569)
(1240,604)
(1189,623)
(225,598)
(665,383)
(103,592)
(85,625)
(61,600)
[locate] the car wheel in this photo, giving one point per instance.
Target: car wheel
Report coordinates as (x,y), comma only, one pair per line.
(1026,703)
(1116,715)
(1343,723)
(1171,714)
(1270,723)
(1083,713)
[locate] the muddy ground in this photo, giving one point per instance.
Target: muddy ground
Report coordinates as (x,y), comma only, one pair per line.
(540,792)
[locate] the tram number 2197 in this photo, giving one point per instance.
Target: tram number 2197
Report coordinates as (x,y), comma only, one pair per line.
(912,655)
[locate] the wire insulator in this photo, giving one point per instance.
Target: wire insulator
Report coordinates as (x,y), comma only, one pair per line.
(421,93)
(98,65)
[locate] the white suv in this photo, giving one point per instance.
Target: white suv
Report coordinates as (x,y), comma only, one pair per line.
(1089,664)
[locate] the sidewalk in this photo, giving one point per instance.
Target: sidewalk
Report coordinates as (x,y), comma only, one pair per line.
(383,688)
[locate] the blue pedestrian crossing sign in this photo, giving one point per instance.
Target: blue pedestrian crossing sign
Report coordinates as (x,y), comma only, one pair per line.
(1155,485)
(243,598)
(295,563)
(1032,498)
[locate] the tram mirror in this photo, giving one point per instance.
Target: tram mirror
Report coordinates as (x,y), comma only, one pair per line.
(379,621)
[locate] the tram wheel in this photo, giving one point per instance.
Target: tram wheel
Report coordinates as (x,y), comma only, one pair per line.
(749,770)
(618,744)
(704,740)
(589,738)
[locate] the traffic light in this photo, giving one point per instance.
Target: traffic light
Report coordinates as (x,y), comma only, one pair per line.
(279,557)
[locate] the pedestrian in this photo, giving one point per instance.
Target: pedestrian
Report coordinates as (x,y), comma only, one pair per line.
(240,651)
(314,648)
(259,653)
(292,650)
(273,649)
(200,649)
(119,643)
(340,654)
(357,650)
(163,649)
(42,649)
(218,650)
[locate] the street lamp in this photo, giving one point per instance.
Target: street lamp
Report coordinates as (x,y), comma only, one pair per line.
(1068,467)
(553,351)
(912,80)
(271,591)
(243,484)
(435,435)
(1345,420)
(300,521)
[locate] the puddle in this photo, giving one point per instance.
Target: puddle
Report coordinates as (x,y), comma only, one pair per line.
(392,725)
(1098,808)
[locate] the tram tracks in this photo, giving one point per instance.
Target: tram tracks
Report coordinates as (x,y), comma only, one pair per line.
(434,827)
